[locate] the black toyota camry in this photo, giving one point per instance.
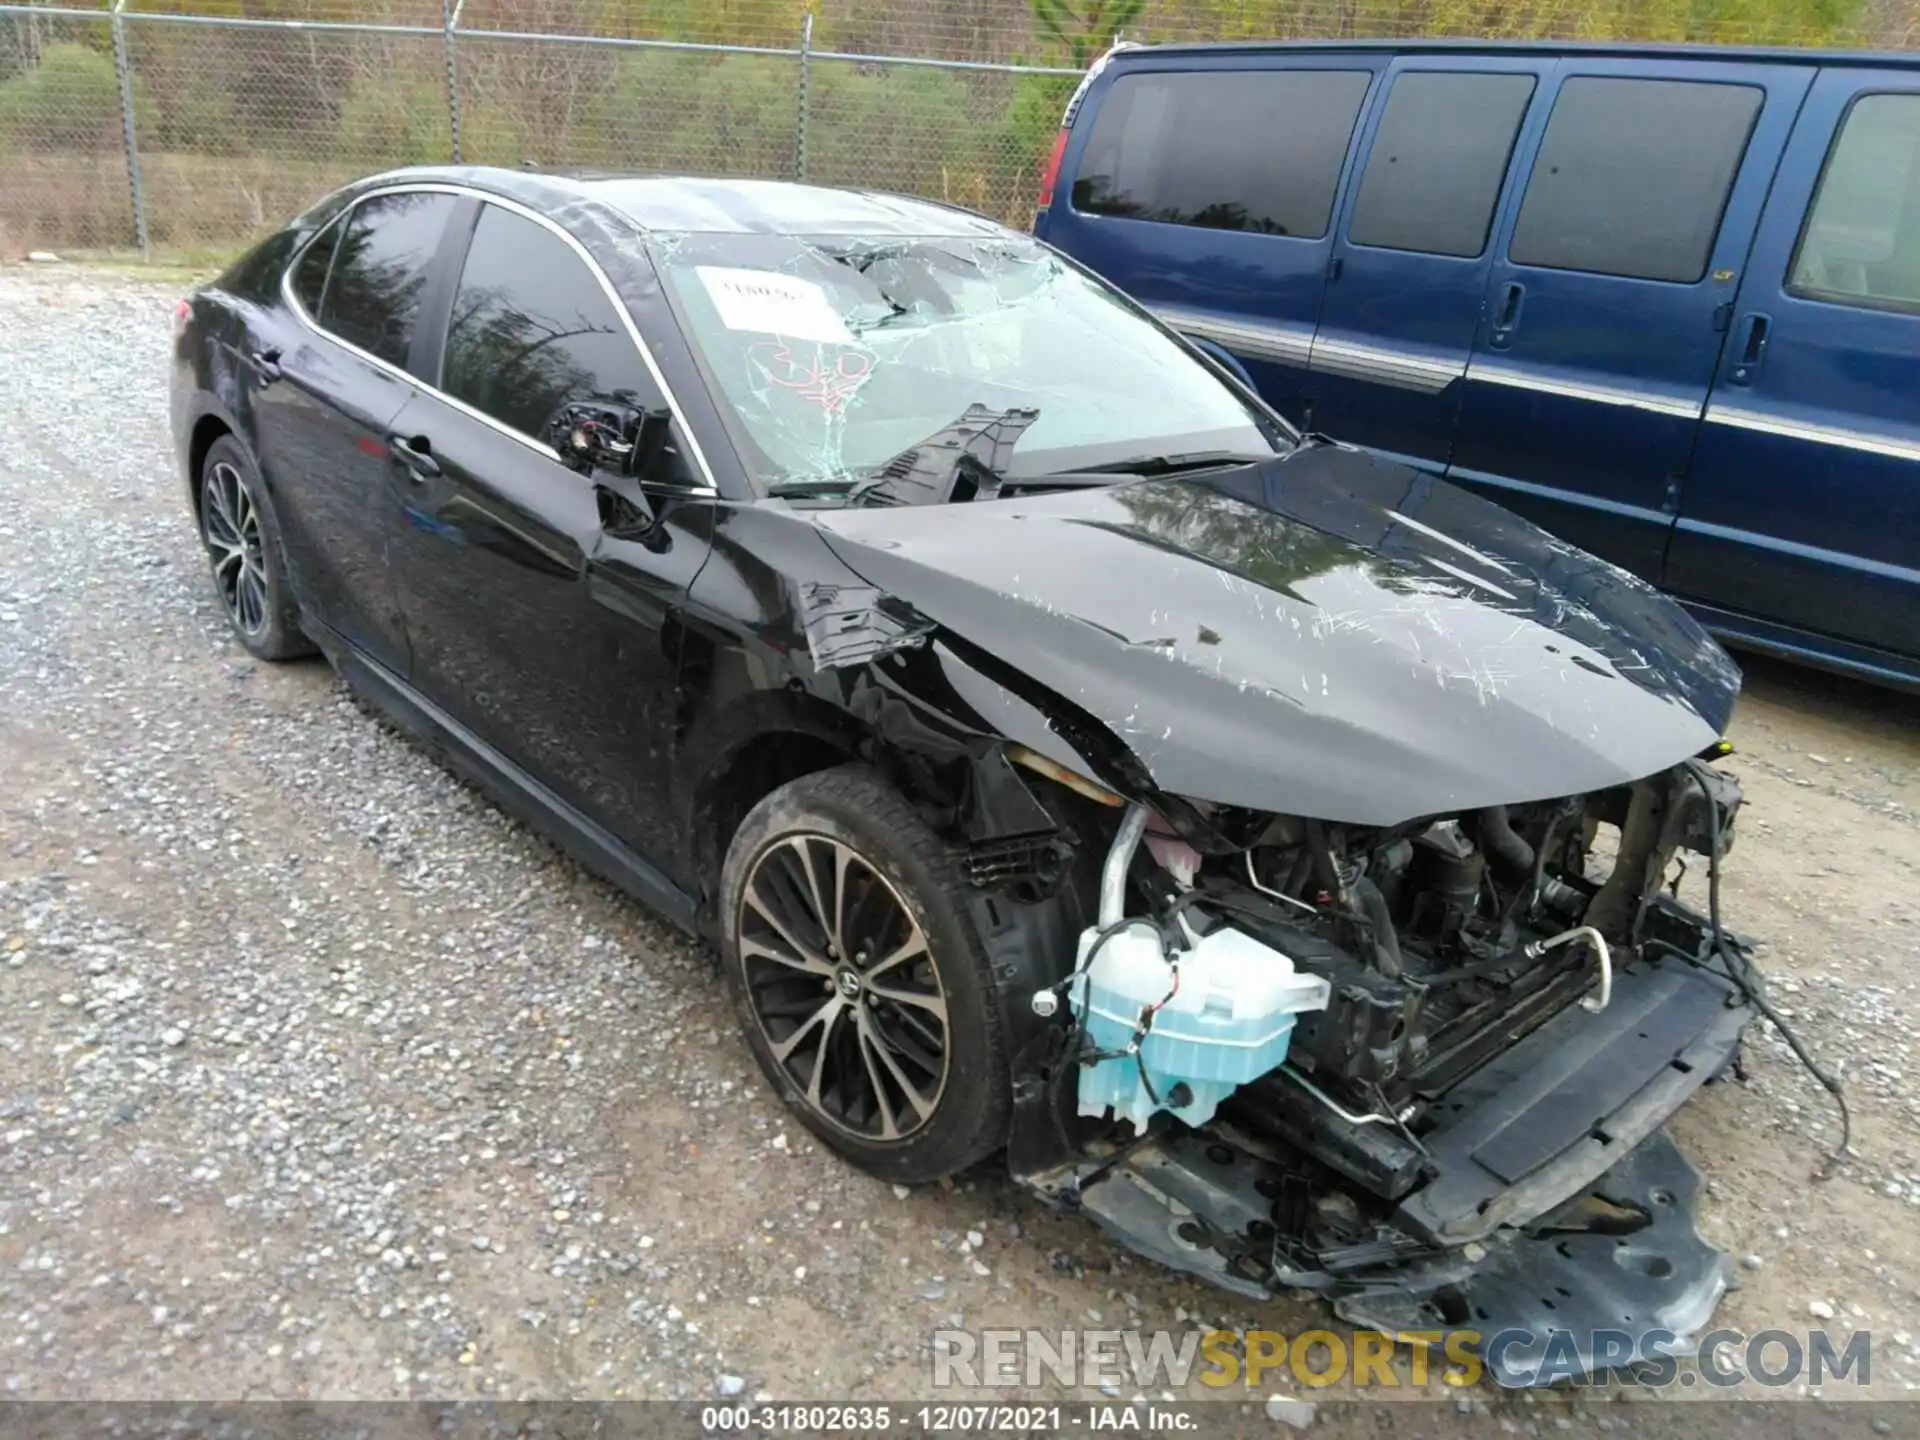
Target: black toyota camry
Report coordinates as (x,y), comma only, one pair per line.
(1269,850)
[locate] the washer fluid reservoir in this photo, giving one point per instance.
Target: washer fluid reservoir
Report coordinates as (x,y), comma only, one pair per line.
(1228,1021)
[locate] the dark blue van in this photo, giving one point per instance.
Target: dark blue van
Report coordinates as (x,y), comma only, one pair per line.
(1663,301)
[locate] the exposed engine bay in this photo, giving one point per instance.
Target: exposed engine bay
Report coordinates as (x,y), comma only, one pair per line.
(1391,1064)
(1360,935)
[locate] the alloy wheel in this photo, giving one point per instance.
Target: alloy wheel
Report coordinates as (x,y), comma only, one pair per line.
(844,987)
(230,525)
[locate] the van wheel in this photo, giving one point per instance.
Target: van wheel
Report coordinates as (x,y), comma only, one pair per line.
(860,981)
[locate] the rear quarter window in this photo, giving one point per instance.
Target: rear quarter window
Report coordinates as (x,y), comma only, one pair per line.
(256,275)
(1256,150)
(315,264)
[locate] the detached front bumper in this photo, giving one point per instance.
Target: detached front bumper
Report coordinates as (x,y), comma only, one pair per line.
(1537,1124)
(1549,1200)
(1560,1305)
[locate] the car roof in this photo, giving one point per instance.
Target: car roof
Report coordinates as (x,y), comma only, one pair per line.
(1621,50)
(690,204)
(779,206)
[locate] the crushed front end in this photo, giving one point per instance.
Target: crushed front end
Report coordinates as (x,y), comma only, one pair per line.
(1450,1046)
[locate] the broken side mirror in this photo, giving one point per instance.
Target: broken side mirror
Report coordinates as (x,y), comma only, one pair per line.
(625,511)
(611,436)
(617,445)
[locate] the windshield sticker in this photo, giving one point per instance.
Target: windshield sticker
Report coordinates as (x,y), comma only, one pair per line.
(769,303)
(813,378)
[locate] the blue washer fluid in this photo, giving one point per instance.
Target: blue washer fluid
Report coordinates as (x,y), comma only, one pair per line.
(1229,1019)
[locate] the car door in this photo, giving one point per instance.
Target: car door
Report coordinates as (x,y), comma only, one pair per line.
(1207,194)
(1802,509)
(551,641)
(331,379)
(1608,300)
(1410,262)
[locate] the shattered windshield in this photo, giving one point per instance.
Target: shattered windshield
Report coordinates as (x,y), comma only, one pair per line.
(858,365)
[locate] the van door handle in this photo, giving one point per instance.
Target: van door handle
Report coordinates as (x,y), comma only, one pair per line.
(1755,330)
(266,364)
(416,453)
(1507,317)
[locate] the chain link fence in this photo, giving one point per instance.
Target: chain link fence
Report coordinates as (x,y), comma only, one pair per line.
(138,123)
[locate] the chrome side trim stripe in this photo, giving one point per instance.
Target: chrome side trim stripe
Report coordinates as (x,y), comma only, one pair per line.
(1402,369)
(1282,345)
(1873,443)
(1299,347)
(1838,561)
(1547,384)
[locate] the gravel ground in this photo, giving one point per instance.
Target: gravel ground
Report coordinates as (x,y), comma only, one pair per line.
(321,1078)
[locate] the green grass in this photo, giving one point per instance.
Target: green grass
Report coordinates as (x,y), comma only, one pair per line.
(168,266)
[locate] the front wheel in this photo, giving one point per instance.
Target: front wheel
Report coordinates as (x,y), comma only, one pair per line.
(860,980)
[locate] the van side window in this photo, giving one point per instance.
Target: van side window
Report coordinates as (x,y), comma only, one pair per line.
(1861,245)
(1437,162)
(1633,176)
(1242,150)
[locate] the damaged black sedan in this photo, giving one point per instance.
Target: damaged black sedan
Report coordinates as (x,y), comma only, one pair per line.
(1274,852)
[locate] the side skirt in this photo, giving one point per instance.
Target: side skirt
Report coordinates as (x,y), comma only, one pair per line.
(512,787)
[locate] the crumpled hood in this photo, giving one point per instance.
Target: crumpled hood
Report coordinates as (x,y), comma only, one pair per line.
(1323,634)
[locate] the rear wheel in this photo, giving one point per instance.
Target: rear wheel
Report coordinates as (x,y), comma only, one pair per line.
(242,539)
(859,979)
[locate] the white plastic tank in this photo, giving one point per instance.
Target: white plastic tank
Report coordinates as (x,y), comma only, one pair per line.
(1228,1020)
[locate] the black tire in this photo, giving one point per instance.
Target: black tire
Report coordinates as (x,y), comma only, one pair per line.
(248,562)
(897,862)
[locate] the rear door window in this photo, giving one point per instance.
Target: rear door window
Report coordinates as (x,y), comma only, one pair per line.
(1861,244)
(380,270)
(1633,175)
(533,328)
(1438,160)
(1253,150)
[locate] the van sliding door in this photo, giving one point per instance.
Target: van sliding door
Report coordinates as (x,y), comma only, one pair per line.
(1608,299)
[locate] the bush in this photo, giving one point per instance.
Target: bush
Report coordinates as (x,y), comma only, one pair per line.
(388,121)
(892,127)
(672,112)
(69,101)
(1024,136)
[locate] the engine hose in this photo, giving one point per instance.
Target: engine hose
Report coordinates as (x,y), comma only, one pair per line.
(1301,873)
(1499,839)
(1113,875)
(1386,944)
(1594,941)
(1527,900)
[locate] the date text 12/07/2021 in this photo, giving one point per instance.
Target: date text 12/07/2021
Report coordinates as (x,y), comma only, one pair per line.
(986,1419)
